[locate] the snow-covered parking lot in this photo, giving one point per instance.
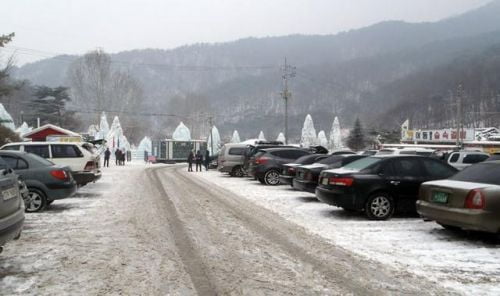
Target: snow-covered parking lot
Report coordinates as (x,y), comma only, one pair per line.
(466,263)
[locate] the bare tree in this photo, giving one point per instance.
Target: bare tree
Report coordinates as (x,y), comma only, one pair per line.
(97,86)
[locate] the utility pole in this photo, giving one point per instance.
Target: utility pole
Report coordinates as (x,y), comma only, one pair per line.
(459,98)
(287,72)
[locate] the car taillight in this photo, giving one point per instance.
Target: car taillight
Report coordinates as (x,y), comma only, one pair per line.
(341,181)
(475,200)
(59,174)
(89,166)
(261,160)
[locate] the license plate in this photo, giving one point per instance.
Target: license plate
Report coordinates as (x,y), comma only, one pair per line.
(324,181)
(9,193)
(439,197)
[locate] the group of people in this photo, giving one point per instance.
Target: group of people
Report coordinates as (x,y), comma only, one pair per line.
(120,157)
(198,159)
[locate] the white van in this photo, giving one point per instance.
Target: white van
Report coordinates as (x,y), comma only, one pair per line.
(231,159)
(82,158)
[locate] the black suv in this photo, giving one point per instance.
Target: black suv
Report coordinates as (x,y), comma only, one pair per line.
(252,150)
(267,164)
(380,185)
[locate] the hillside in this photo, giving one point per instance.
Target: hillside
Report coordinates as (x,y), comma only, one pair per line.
(372,72)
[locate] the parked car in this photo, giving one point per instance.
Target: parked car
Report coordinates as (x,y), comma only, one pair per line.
(251,150)
(289,169)
(231,159)
(11,206)
(45,181)
(469,200)
(380,185)
(406,151)
(82,158)
(268,163)
(463,159)
(308,175)
(494,156)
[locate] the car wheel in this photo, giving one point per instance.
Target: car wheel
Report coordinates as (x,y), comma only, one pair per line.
(237,172)
(272,177)
(36,201)
(380,206)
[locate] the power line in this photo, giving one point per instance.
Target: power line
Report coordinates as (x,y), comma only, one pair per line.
(67,58)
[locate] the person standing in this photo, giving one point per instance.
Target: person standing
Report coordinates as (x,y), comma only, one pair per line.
(124,155)
(207,159)
(107,154)
(190,161)
(199,160)
(117,156)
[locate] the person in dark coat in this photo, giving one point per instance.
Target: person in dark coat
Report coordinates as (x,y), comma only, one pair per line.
(199,160)
(123,155)
(190,161)
(207,159)
(118,156)
(107,154)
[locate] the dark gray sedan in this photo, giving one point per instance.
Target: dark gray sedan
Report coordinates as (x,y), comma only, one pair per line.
(46,182)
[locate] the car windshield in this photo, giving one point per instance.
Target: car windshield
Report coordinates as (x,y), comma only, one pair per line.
(308,159)
(330,160)
(362,163)
(487,173)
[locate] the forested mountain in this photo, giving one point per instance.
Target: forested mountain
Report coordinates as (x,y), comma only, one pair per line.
(383,74)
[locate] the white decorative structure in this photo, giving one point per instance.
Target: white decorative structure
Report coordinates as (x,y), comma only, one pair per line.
(5,119)
(182,133)
(281,138)
(23,129)
(336,135)
(322,140)
(103,127)
(214,148)
(236,137)
(115,138)
(308,137)
(261,136)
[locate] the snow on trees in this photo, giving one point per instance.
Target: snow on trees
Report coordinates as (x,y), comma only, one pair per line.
(214,148)
(261,136)
(308,137)
(322,140)
(5,119)
(182,133)
(236,137)
(281,138)
(335,136)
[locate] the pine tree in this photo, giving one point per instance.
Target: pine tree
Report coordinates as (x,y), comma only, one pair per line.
(356,140)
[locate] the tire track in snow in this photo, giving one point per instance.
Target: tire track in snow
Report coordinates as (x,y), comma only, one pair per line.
(185,246)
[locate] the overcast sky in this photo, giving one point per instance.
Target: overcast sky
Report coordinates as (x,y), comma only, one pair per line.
(45,27)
